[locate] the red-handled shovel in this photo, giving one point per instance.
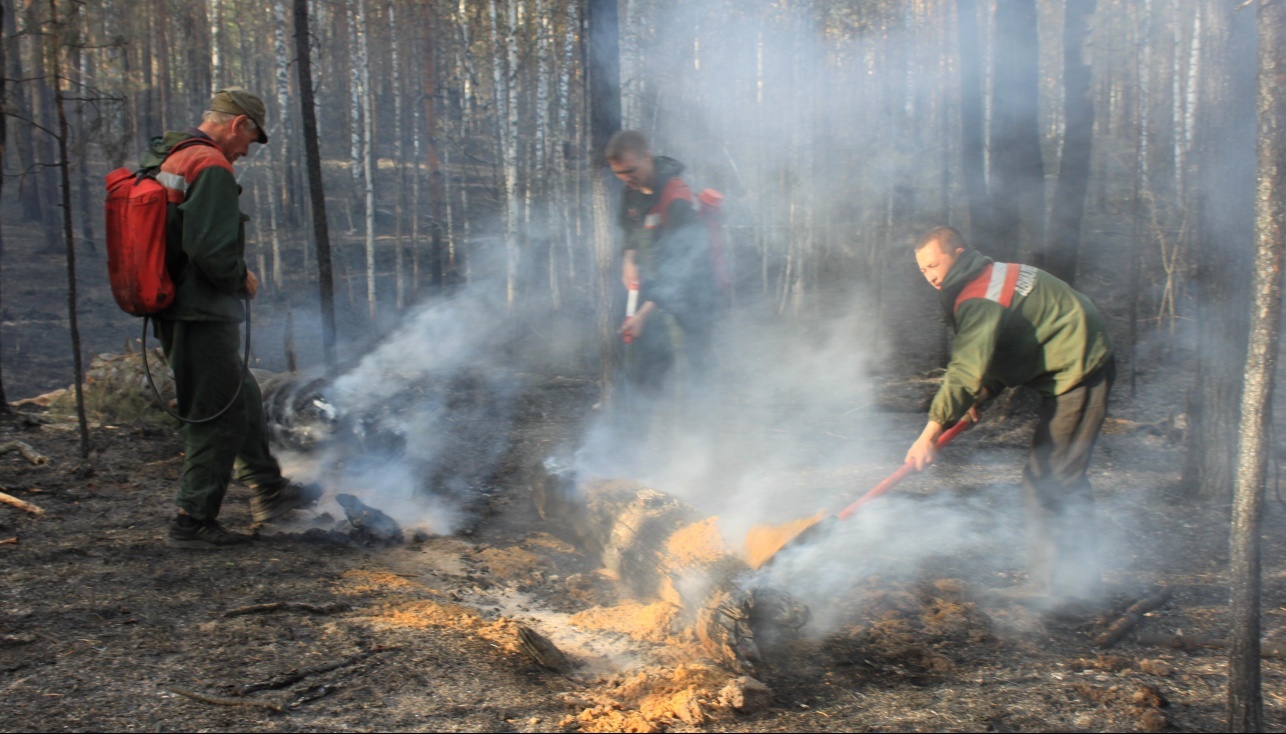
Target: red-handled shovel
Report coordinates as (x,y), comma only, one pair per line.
(765,541)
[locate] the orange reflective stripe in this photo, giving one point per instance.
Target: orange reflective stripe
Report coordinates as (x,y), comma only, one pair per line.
(999,282)
(185,163)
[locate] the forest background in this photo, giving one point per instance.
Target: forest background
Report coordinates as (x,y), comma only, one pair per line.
(1111,142)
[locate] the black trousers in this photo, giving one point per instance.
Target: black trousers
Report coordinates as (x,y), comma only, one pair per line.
(1062,553)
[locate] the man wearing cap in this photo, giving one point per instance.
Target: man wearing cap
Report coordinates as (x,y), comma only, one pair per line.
(200,333)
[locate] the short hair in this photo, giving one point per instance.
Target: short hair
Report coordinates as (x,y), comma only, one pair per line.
(626,141)
(948,237)
(223,118)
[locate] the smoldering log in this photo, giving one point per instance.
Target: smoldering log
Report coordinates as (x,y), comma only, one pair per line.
(659,547)
(1132,617)
(452,428)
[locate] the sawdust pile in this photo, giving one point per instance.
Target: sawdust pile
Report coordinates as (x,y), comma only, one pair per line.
(656,699)
(917,626)
(418,612)
(510,563)
(643,622)
(695,545)
(427,613)
(374,582)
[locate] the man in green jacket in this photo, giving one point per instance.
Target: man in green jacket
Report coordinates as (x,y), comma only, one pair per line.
(200,333)
(667,262)
(1018,325)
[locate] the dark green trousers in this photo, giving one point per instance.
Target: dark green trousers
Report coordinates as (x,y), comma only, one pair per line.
(1062,535)
(206,359)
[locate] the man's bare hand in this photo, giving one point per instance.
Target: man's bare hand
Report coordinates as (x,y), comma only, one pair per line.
(925,449)
(252,284)
(633,325)
(630,272)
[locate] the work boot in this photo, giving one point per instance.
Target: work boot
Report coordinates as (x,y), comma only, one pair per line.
(275,500)
(188,532)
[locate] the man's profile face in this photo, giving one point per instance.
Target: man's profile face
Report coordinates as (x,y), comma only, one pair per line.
(241,133)
(634,169)
(935,262)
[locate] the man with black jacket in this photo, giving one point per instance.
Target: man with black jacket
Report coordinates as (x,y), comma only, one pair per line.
(667,260)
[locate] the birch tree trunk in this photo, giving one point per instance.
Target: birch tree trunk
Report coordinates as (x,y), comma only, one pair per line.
(1222,196)
(284,200)
(216,54)
(355,112)
(1245,697)
(368,153)
(399,276)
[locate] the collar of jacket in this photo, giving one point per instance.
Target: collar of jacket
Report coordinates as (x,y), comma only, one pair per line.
(965,269)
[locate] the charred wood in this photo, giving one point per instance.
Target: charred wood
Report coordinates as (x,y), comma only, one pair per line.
(27,452)
(287,606)
(658,547)
(1131,618)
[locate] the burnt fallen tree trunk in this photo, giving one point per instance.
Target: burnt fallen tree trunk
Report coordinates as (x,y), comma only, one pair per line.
(658,547)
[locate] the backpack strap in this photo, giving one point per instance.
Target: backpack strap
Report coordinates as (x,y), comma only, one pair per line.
(675,188)
(177,172)
(999,282)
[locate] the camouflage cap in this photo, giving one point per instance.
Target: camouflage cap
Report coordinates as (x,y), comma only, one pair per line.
(237,101)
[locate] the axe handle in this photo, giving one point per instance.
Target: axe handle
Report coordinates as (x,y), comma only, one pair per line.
(961,426)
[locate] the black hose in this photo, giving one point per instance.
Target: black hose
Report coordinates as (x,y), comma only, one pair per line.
(245,370)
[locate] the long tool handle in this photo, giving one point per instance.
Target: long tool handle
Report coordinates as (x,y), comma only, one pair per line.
(631,307)
(960,427)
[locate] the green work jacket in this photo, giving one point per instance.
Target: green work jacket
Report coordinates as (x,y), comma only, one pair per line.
(205,233)
(1033,330)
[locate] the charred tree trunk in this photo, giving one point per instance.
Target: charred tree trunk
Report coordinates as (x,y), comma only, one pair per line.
(1017,169)
(4,137)
(1245,697)
(56,65)
(1063,248)
(972,149)
(604,77)
(1223,150)
(655,546)
(312,151)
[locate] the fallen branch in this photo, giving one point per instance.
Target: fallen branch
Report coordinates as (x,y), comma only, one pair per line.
(1179,642)
(1131,618)
(222,701)
(314,693)
(9,541)
(27,452)
(293,677)
(9,499)
(287,606)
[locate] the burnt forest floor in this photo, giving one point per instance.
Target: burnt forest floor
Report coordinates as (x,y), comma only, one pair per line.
(104,628)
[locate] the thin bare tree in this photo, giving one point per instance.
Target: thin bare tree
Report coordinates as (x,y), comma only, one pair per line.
(1245,695)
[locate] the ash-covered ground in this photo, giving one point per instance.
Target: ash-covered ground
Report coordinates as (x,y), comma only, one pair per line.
(104,628)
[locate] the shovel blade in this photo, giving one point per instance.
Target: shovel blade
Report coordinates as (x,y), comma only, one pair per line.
(764,541)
